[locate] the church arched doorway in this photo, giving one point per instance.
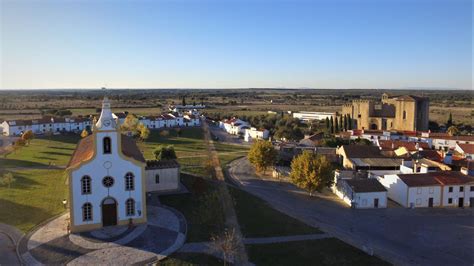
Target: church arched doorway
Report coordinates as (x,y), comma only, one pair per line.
(373,126)
(109,212)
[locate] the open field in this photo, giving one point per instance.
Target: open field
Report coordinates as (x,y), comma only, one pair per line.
(35,196)
(241,102)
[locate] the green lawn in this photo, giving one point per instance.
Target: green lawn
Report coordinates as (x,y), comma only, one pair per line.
(185,259)
(192,207)
(42,152)
(35,196)
(329,251)
(229,152)
(258,219)
(189,146)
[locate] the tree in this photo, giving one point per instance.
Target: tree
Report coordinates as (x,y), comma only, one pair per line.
(453,131)
(143,132)
(227,244)
(262,154)
(164,133)
(345,122)
(311,172)
(84,133)
(328,126)
(341,124)
(449,123)
(337,125)
(184,100)
(349,122)
(7,179)
(165,152)
(331,123)
(130,123)
(28,136)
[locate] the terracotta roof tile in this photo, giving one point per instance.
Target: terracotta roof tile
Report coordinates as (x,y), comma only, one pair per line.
(467,148)
(365,185)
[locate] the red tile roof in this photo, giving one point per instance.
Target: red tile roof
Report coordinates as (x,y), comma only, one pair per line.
(467,148)
(85,150)
(435,178)
(395,144)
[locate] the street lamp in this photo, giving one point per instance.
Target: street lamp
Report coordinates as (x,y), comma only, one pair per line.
(64,203)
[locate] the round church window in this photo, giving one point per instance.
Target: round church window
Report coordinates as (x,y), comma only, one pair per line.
(108,181)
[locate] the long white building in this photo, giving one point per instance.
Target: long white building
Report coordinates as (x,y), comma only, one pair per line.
(310,116)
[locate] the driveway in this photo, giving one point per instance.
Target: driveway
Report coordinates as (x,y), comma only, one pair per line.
(226,137)
(440,236)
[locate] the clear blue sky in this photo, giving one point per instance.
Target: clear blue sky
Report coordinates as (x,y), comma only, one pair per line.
(233,44)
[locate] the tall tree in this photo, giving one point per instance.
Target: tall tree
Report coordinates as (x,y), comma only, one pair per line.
(84,133)
(331,122)
(311,172)
(164,152)
(337,125)
(449,123)
(327,123)
(341,124)
(28,136)
(345,122)
(349,122)
(262,154)
(184,100)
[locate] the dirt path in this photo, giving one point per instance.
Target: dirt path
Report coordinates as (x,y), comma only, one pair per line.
(229,211)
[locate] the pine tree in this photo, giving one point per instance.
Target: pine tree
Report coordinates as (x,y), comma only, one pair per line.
(331,122)
(184,100)
(337,125)
(341,125)
(345,122)
(349,122)
(450,121)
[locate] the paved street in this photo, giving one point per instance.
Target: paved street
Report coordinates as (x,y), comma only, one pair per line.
(9,236)
(398,235)
(226,137)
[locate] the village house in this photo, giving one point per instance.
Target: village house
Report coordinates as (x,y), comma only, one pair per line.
(445,142)
(313,140)
(360,193)
(465,150)
(234,126)
(252,133)
(363,157)
(46,125)
(432,189)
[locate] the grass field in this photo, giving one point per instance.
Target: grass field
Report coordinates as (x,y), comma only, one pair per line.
(229,152)
(330,251)
(188,259)
(192,206)
(258,219)
(35,196)
(42,152)
(189,146)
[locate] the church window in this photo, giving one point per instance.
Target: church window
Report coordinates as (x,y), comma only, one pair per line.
(404,114)
(87,212)
(107,145)
(157,178)
(129,181)
(130,205)
(108,181)
(86,184)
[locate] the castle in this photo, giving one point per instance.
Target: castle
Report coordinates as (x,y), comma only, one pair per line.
(404,113)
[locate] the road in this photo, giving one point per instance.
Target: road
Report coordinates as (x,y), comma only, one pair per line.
(226,137)
(440,236)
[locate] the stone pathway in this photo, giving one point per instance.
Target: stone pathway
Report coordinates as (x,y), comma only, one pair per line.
(230,216)
(9,237)
(164,233)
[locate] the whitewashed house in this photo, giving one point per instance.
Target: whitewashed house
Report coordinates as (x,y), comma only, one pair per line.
(360,193)
(192,120)
(310,116)
(251,134)
(106,178)
(162,176)
(234,126)
(432,189)
(466,150)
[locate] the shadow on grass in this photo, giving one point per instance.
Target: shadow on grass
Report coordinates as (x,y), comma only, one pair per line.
(21,216)
(191,259)
(72,138)
(45,158)
(6,163)
(56,153)
(61,148)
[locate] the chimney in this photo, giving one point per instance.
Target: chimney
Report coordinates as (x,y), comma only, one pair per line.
(448,158)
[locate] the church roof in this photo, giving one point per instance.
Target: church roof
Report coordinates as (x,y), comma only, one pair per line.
(85,150)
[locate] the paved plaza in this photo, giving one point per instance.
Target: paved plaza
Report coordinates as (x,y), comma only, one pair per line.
(164,233)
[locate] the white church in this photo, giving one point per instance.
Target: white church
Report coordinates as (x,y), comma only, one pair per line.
(107,178)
